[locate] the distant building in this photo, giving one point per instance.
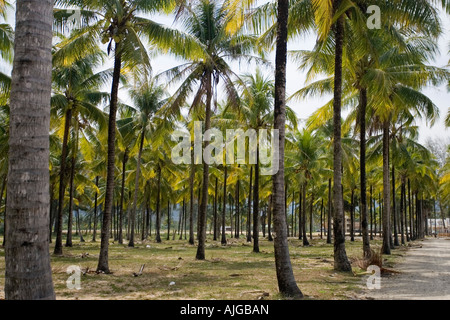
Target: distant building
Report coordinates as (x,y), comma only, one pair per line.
(441,226)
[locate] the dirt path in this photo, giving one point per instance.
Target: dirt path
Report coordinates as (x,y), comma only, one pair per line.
(425,275)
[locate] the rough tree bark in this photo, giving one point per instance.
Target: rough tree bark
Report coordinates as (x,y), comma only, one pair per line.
(285,276)
(28,275)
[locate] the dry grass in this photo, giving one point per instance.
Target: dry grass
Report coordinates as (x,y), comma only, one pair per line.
(229,272)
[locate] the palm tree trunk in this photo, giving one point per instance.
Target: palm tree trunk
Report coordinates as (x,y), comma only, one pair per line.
(122,194)
(269,220)
(292,213)
(304,236)
(362,175)
(79,225)
(341,262)
(223,240)
(183,220)
(285,276)
(371,213)
(249,233)
(215,212)
(191,200)
(204,204)
(158,207)
(4,217)
(386,190)
(329,212)
(321,220)
(70,220)
(311,216)
(236,234)
(28,274)
(94,232)
(394,207)
(136,189)
(402,211)
(59,222)
(300,214)
(168,220)
(352,216)
(103,263)
(256,205)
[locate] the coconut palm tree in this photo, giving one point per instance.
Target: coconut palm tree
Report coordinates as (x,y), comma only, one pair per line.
(121,25)
(27,269)
(213,28)
(76,99)
(285,276)
(147,98)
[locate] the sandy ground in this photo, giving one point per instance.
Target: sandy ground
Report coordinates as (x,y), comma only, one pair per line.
(424,275)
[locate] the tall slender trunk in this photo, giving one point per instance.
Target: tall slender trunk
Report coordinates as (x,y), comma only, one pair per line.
(215,211)
(237,210)
(94,232)
(28,274)
(352,216)
(329,212)
(311,221)
(269,220)
(292,213)
(191,200)
(103,260)
(341,262)
(168,220)
(249,233)
(183,219)
(52,215)
(256,205)
(386,191)
(158,207)
(300,220)
(200,255)
(285,276)
(231,216)
(79,225)
(59,222)
(402,210)
(223,240)
(70,220)
(321,219)
(371,212)
(5,224)
(394,208)
(362,174)
(4,217)
(136,188)
(304,237)
(122,194)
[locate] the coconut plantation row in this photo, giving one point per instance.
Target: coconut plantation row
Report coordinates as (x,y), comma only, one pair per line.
(203,181)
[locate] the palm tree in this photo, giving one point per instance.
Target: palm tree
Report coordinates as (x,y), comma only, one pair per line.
(148,99)
(120,24)
(255,112)
(212,27)
(308,157)
(285,275)
(27,270)
(75,98)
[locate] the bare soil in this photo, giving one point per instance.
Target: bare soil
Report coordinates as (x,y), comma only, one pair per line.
(423,274)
